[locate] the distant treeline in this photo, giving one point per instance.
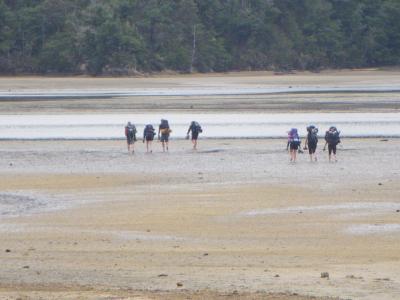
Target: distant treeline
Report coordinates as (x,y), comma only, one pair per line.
(123,37)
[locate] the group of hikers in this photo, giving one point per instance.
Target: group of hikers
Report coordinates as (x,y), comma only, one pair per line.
(332,139)
(164,132)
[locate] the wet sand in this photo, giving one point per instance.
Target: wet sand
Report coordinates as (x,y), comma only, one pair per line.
(313,100)
(232,219)
(83,219)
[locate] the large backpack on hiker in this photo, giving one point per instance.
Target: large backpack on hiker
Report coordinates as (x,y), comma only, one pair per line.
(149,131)
(164,124)
(312,135)
(130,131)
(164,127)
(197,128)
(332,137)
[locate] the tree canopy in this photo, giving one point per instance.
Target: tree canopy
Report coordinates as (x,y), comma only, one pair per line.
(123,37)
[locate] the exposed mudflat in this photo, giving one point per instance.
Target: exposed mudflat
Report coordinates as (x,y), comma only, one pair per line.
(86,220)
(233,219)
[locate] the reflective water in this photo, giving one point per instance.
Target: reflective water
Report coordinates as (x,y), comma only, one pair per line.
(218,125)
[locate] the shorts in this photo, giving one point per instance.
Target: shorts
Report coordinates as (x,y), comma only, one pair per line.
(294,146)
(164,138)
(130,139)
(312,148)
(195,135)
(332,148)
(149,138)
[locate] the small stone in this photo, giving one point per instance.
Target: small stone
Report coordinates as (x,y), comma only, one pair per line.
(325,275)
(8,250)
(205,254)
(25,267)
(398,210)
(379,183)
(162,275)
(179,284)
(11,164)
(277,275)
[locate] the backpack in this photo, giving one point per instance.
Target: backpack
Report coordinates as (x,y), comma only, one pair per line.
(130,130)
(164,124)
(312,136)
(294,137)
(164,127)
(149,130)
(332,137)
(197,127)
(295,140)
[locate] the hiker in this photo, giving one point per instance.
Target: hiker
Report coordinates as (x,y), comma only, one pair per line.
(293,143)
(195,128)
(332,139)
(130,133)
(148,136)
(311,142)
(163,134)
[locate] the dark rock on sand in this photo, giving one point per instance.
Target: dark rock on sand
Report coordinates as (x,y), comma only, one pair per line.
(325,275)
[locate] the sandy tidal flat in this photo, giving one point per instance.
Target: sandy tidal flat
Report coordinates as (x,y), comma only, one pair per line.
(85,219)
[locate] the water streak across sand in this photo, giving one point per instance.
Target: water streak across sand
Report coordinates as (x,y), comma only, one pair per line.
(222,125)
(375,206)
(110,93)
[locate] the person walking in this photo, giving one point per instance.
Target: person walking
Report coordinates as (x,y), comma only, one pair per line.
(332,139)
(148,136)
(163,134)
(293,144)
(311,142)
(195,129)
(130,134)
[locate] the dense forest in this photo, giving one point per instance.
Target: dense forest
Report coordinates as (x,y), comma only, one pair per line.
(125,37)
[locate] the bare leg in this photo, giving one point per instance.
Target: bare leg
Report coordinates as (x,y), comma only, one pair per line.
(293,155)
(166,145)
(163,146)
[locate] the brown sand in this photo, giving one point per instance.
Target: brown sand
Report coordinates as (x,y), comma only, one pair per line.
(377,102)
(84,220)
(104,225)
